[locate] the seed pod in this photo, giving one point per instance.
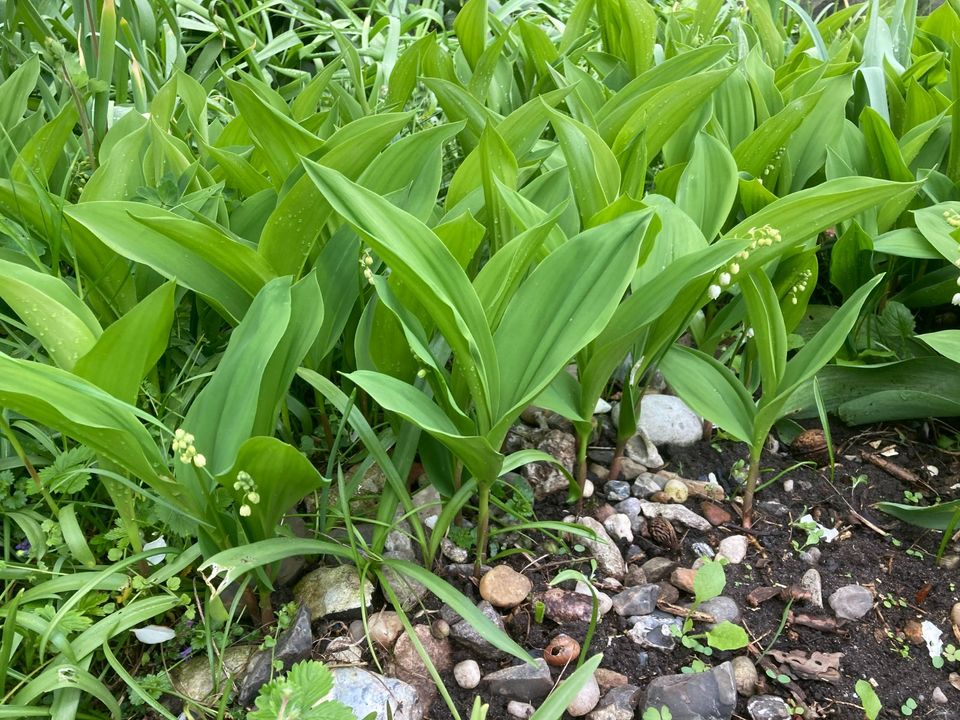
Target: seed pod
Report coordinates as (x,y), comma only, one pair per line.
(662,533)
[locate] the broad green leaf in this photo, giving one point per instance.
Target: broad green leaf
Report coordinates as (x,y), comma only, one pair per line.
(934,517)
(945,342)
(761,147)
(51,311)
(708,185)
(709,581)
(766,319)
(414,406)
(711,390)
(15,92)
(593,168)
(429,271)
(131,346)
(727,636)
(196,255)
(868,696)
(540,332)
(39,157)
(470,26)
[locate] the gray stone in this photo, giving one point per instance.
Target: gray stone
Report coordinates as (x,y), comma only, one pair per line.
(950,561)
(453,552)
(586,698)
(619,703)
(617,490)
(619,527)
(674,513)
(658,568)
(812,584)
(708,695)
(702,549)
(630,468)
(654,631)
(528,683)
(427,502)
(294,644)
(333,591)
(667,420)
(547,478)
(811,556)
(772,507)
(409,666)
(463,633)
(734,548)
(768,707)
(851,602)
(646,485)
(722,608)
(467,674)
(642,451)
(745,675)
(939,697)
(604,601)
(604,550)
(365,692)
(194,680)
(639,600)
(630,507)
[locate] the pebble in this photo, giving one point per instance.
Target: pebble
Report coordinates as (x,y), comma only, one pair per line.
(702,549)
(851,602)
(768,707)
(409,666)
(788,486)
(194,679)
(453,552)
(668,593)
(682,579)
(586,699)
(772,507)
(949,562)
(708,695)
(519,709)
(745,675)
(604,601)
(734,548)
(634,576)
(715,514)
(607,678)
(344,651)
(667,420)
(619,703)
(528,683)
(722,608)
(600,472)
(645,485)
(658,568)
(604,550)
(653,631)
(811,556)
(812,584)
(367,693)
(618,526)
(565,607)
(603,512)
(674,513)
(588,488)
(463,633)
(640,600)
(332,591)
(938,696)
(384,627)
(467,674)
(617,490)
(642,451)
(504,587)
(676,490)
(955,614)
(630,468)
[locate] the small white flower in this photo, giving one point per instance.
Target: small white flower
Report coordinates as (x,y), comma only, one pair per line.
(713,291)
(750,332)
(956,299)
(421,373)
(154,634)
(245,510)
(253,498)
(199,460)
(793,300)
(724,279)
(734,268)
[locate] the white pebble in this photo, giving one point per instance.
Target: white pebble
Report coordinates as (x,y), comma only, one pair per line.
(467,674)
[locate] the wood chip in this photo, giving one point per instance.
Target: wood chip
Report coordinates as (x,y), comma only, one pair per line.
(761,594)
(891,468)
(814,666)
(685,612)
(823,623)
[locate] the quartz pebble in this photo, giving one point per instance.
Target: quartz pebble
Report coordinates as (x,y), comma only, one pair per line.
(467,674)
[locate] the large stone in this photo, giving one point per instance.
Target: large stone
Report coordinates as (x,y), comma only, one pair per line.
(734,548)
(658,568)
(463,633)
(409,666)
(642,451)
(547,478)
(194,680)
(527,683)
(851,602)
(639,600)
(294,644)
(722,608)
(563,606)
(504,587)
(366,692)
(674,513)
(586,698)
(604,550)
(708,695)
(667,420)
(333,591)
(619,703)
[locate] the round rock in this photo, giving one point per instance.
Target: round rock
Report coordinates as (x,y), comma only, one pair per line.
(667,420)
(467,674)
(518,709)
(585,700)
(504,587)
(745,675)
(851,602)
(734,548)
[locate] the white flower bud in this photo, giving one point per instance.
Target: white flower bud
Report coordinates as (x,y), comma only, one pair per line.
(199,460)
(724,279)
(956,299)
(245,511)
(713,291)
(253,498)
(734,268)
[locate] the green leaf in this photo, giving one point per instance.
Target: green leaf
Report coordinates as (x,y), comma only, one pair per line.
(868,696)
(430,272)
(708,185)
(540,332)
(42,152)
(709,581)
(131,346)
(558,701)
(933,517)
(766,319)
(593,168)
(711,390)
(945,342)
(727,636)
(237,562)
(51,311)
(470,26)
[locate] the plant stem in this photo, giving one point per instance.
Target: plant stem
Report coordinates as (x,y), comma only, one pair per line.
(752,476)
(617,459)
(483,524)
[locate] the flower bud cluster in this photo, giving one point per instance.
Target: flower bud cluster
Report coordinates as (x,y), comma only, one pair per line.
(800,286)
(246,486)
(952,217)
(183,444)
(366,261)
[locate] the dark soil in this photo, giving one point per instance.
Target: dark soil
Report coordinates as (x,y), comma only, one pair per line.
(907,583)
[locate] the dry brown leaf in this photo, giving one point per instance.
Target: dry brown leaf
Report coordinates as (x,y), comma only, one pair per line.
(813,666)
